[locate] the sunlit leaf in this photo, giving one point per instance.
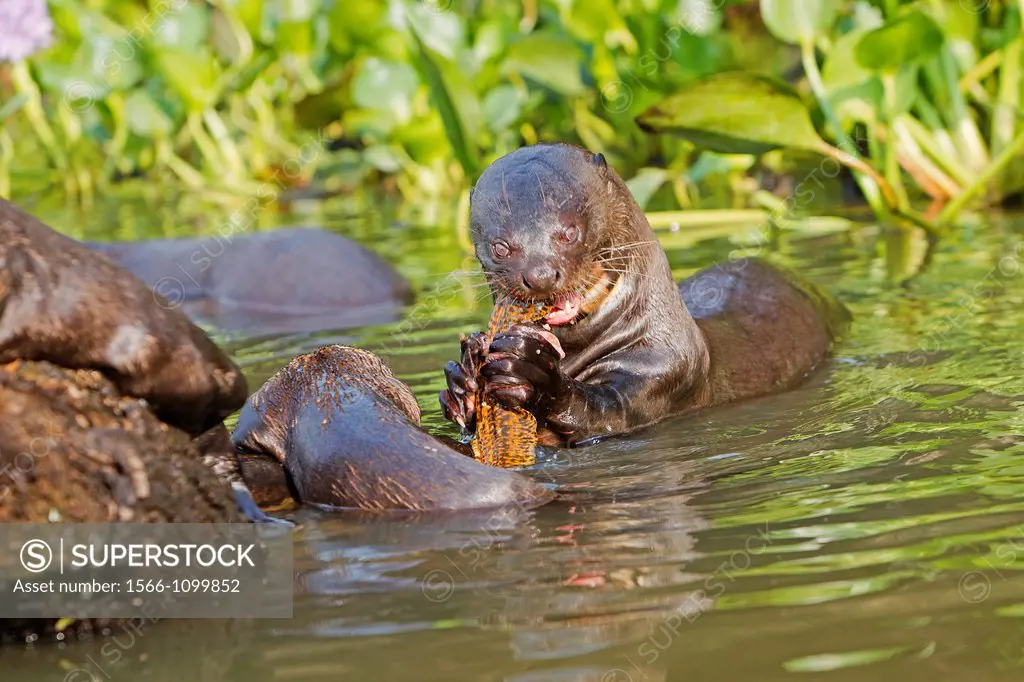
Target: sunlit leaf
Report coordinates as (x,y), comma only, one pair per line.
(193,76)
(599,21)
(646,183)
(736,113)
(502,107)
(855,92)
(550,60)
(798,21)
(902,41)
(145,118)
(352,23)
(113,62)
(386,86)
(444,33)
(184,29)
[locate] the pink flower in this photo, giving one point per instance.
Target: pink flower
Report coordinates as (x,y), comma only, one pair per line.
(25,28)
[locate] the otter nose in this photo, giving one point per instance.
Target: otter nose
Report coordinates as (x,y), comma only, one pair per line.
(542,279)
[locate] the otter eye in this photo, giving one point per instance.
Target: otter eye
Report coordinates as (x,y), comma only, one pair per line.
(571,234)
(501,250)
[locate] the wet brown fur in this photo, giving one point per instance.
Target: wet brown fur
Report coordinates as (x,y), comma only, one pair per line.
(641,355)
(62,303)
(347,433)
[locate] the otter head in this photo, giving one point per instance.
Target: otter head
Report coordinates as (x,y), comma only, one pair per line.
(540,220)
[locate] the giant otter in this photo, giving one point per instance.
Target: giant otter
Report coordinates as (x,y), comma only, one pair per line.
(347,433)
(553,224)
(291,279)
(64,304)
(65,307)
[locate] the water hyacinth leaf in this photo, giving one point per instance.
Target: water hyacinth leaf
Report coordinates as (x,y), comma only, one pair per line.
(799,21)
(907,39)
(646,183)
(698,17)
(193,76)
(443,33)
(184,28)
(736,113)
(114,61)
(855,92)
(250,13)
(294,31)
(549,60)
(145,118)
(599,21)
(455,102)
(386,86)
(230,38)
(67,16)
(502,107)
(354,23)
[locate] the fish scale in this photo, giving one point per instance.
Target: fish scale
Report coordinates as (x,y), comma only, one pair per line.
(506,438)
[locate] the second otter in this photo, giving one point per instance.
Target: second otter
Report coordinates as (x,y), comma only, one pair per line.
(553,223)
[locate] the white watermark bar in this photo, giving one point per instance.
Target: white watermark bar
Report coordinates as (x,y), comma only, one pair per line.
(153,571)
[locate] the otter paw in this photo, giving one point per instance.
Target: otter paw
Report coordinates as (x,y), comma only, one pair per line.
(473,349)
(458,401)
(522,369)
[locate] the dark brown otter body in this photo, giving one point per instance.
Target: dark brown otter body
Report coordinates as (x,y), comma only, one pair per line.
(346,431)
(288,279)
(553,223)
(64,304)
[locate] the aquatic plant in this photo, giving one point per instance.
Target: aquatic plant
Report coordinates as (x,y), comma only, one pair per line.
(916,82)
(250,98)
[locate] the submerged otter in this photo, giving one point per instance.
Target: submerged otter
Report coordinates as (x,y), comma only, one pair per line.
(553,223)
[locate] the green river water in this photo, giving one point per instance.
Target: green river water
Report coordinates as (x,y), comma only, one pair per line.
(866,526)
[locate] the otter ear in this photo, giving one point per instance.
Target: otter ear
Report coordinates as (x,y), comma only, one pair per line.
(599,161)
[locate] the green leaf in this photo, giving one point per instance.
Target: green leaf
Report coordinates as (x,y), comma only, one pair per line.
(646,183)
(599,21)
(250,13)
(905,40)
(193,75)
(855,92)
(502,107)
(352,23)
(183,29)
(386,86)
(114,62)
(294,31)
(444,33)
(798,21)
(145,118)
(456,104)
(736,113)
(550,60)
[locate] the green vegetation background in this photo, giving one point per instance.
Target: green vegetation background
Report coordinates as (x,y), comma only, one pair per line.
(232,97)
